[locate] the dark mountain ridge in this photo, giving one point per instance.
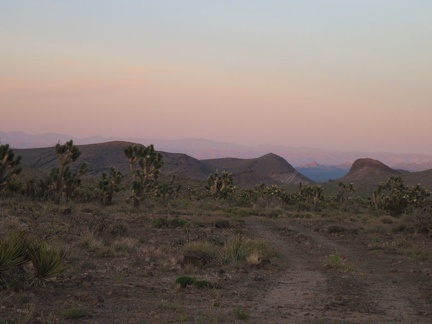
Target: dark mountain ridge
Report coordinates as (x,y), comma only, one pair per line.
(268,169)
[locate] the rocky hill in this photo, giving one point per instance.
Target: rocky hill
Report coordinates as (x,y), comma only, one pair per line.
(268,169)
(369,169)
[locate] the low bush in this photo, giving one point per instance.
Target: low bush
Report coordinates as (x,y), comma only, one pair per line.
(168,223)
(186,281)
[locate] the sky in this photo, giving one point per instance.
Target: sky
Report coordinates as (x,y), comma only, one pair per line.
(337,74)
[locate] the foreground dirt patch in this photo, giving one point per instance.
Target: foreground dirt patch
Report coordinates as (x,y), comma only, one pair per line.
(320,276)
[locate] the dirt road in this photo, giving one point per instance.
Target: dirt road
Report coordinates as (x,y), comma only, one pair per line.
(367,287)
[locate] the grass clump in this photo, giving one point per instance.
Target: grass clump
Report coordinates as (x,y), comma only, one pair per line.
(169,223)
(339,263)
(75,312)
(336,229)
(419,255)
(241,314)
(241,248)
(186,281)
(234,249)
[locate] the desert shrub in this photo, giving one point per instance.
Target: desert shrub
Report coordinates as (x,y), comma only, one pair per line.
(168,223)
(339,263)
(396,198)
(119,230)
(423,220)
(217,239)
(241,314)
(210,249)
(75,312)
(334,229)
(386,220)
(240,248)
(186,281)
(222,223)
(203,284)
(232,249)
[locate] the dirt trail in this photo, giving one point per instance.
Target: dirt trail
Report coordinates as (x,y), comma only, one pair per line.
(309,291)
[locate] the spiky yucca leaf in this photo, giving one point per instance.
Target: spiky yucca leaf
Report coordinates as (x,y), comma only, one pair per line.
(19,245)
(13,253)
(47,262)
(6,255)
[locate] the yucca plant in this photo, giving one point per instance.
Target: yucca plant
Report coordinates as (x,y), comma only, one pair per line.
(13,253)
(19,244)
(47,262)
(5,261)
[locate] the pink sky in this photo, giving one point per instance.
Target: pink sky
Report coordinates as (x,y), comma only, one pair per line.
(340,75)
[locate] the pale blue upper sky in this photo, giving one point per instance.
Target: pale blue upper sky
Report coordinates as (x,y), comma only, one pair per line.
(297,73)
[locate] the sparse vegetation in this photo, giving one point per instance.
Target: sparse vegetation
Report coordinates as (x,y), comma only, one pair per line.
(63,181)
(9,168)
(220,186)
(145,177)
(75,312)
(109,185)
(241,314)
(183,241)
(335,261)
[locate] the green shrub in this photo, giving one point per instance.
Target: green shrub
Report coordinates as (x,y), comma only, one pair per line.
(337,262)
(336,229)
(241,314)
(240,248)
(168,223)
(186,281)
(75,312)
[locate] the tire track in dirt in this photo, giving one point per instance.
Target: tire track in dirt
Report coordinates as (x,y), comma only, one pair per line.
(305,290)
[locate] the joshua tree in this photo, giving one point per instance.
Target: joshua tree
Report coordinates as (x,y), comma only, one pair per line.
(309,194)
(109,185)
(396,198)
(344,195)
(9,166)
(145,178)
(167,189)
(64,181)
(220,186)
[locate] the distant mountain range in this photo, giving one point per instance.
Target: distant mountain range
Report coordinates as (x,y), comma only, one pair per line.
(317,164)
(269,169)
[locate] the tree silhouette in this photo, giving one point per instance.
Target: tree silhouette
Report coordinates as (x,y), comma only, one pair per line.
(109,185)
(145,177)
(9,166)
(64,181)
